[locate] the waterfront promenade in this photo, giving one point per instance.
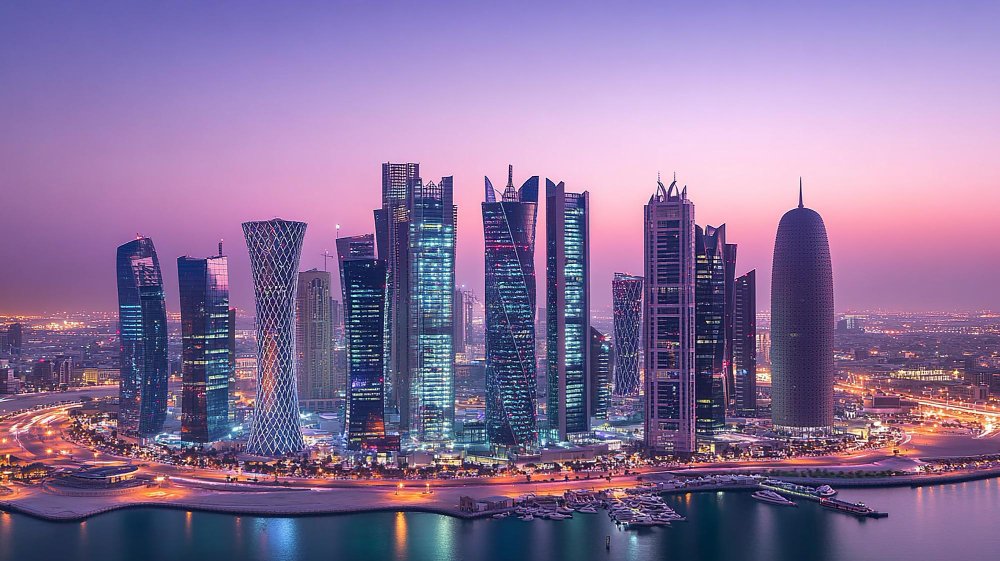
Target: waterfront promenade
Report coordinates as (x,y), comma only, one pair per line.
(207,490)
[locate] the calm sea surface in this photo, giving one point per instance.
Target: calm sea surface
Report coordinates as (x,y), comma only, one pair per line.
(948,523)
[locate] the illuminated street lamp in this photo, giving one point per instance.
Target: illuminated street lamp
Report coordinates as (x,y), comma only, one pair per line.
(400,486)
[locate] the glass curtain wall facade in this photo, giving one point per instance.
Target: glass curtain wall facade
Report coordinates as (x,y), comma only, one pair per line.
(600,374)
(710,342)
(802,323)
(232,362)
(391,231)
(729,389)
(314,336)
(567,258)
(745,344)
(142,329)
(626,297)
(206,359)
(275,248)
(669,321)
(430,375)
(363,280)
(509,232)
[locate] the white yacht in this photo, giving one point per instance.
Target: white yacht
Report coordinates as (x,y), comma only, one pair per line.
(825,491)
(772,497)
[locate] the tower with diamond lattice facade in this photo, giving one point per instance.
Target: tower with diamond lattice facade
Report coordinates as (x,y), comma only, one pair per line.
(275,246)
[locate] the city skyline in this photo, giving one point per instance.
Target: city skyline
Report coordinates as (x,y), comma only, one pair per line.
(750,266)
(871,127)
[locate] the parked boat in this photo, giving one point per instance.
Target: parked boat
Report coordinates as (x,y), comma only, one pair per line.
(772,497)
(826,491)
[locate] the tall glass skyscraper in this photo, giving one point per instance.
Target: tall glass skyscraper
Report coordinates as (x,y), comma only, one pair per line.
(142,329)
(745,344)
(669,321)
(275,247)
(567,272)
(429,380)
(314,336)
(729,260)
(391,237)
(363,281)
(206,362)
(802,323)
(710,342)
(626,296)
(509,232)
(600,374)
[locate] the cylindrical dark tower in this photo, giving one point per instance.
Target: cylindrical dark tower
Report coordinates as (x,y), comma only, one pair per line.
(802,322)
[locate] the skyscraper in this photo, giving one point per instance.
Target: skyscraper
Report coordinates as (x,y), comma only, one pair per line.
(600,374)
(669,321)
(567,271)
(710,342)
(802,322)
(745,344)
(314,336)
(391,233)
(363,280)
(351,247)
(509,233)
(626,296)
(142,329)
(729,262)
(428,382)
(206,361)
(275,247)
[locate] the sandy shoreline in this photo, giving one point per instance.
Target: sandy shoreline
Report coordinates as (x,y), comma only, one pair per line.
(41,504)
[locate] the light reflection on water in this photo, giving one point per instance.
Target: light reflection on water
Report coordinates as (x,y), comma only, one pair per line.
(400,535)
(278,538)
(948,522)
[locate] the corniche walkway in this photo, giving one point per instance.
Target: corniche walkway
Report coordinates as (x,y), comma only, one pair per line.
(259,500)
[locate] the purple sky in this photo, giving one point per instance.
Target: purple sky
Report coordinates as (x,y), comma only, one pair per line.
(180,120)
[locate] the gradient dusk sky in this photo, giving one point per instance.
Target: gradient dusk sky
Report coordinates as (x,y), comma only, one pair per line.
(179,120)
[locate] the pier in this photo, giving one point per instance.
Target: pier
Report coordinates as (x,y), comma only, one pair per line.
(825,500)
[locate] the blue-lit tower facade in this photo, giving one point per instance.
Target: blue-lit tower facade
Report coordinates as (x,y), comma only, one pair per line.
(567,291)
(363,286)
(275,247)
(142,331)
(206,360)
(428,382)
(626,298)
(509,233)
(669,321)
(802,324)
(710,331)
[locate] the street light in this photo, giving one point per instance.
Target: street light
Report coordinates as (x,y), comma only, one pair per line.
(400,486)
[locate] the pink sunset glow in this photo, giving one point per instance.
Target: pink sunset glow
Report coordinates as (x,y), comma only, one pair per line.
(180,124)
